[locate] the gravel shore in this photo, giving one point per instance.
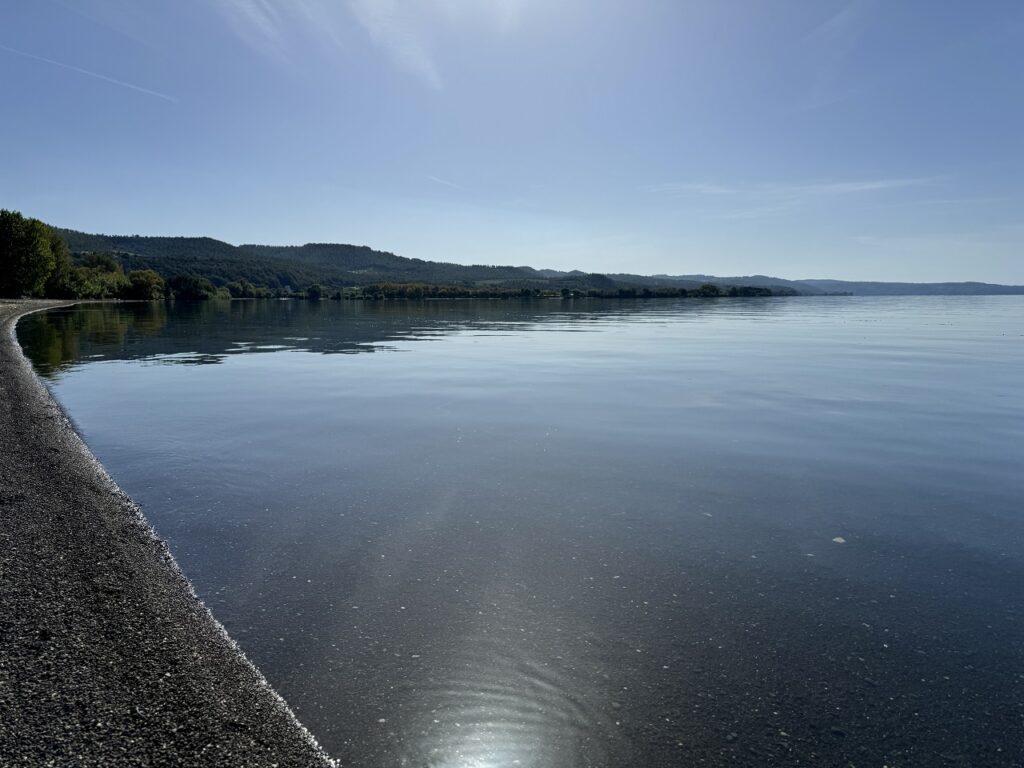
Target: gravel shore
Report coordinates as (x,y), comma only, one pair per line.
(106,655)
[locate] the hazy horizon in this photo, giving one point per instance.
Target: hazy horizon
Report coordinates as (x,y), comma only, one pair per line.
(845,140)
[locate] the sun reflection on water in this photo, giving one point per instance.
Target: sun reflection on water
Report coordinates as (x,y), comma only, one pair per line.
(501,711)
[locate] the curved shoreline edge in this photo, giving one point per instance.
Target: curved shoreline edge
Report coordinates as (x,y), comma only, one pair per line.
(107,655)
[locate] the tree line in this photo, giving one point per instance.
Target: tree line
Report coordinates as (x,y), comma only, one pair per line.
(378,291)
(36,261)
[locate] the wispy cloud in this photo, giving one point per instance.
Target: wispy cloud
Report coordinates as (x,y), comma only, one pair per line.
(262,26)
(843,28)
(786,190)
(405,32)
(748,201)
(256,19)
(394,31)
(444,182)
(90,73)
(830,45)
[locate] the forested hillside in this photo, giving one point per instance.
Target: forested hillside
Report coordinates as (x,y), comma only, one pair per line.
(335,267)
(38,260)
(330,264)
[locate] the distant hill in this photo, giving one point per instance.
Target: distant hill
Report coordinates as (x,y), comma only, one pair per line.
(326,263)
(911,289)
(339,265)
(760,280)
(856,288)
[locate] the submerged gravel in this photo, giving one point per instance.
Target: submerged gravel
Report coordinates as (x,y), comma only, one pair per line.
(107,657)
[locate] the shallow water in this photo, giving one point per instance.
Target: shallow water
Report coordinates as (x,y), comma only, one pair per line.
(475,534)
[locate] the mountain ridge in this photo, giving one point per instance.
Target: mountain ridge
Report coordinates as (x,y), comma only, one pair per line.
(342,265)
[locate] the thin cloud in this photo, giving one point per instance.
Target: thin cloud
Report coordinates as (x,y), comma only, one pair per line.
(445,182)
(405,32)
(853,187)
(505,15)
(753,201)
(784,190)
(257,23)
(90,73)
(393,31)
(284,30)
(843,27)
(259,15)
(830,46)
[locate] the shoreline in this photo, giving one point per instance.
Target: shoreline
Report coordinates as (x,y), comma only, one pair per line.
(107,656)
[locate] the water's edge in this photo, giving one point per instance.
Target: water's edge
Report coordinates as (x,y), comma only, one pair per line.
(104,627)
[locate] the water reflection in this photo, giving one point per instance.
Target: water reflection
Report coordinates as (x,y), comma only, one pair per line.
(55,339)
(496,710)
(764,532)
(203,333)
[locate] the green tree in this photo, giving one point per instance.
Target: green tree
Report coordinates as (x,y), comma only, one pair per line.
(58,284)
(145,285)
(26,255)
(241,289)
(97,276)
(709,291)
(102,262)
(191,288)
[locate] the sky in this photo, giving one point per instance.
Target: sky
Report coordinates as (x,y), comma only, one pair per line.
(851,139)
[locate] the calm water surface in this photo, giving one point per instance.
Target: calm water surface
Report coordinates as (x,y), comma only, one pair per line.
(472,535)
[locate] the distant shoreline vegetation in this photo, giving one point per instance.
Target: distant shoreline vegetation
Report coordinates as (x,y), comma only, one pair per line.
(417,291)
(37,262)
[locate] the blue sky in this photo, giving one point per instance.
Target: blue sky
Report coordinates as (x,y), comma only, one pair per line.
(863,140)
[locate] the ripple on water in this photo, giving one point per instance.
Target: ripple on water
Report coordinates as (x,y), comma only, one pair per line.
(492,708)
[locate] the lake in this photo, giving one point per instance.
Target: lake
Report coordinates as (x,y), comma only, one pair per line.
(779,531)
